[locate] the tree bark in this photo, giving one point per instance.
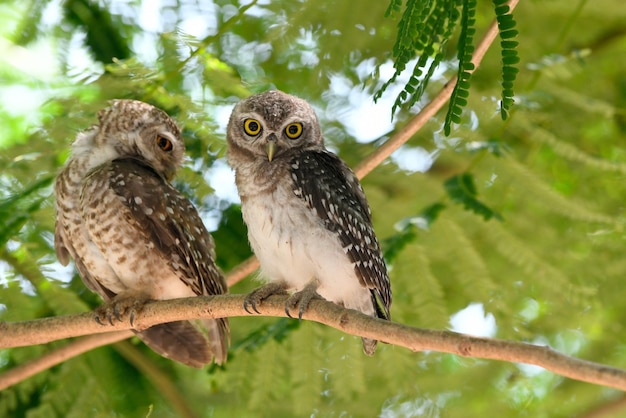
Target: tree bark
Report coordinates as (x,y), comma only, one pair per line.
(40,331)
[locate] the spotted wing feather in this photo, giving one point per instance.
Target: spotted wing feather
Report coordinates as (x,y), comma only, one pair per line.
(178,234)
(329,187)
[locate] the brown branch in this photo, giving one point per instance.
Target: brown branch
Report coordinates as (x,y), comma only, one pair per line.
(607,410)
(242,270)
(54,357)
(84,344)
(45,330)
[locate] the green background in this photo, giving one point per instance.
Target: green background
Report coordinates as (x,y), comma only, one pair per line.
(551,271)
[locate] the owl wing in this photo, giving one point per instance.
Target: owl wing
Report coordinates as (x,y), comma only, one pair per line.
(166,218)
(331,189)
(162,216)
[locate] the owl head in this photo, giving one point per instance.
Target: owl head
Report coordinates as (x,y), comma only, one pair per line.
(272,125)
(133,129)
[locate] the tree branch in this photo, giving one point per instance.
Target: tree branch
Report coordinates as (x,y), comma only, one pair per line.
(45,330)
(54,357)
(84,344)
(242,270)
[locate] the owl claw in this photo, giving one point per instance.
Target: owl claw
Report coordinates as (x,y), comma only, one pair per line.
(98,320)
(118,308)
(116,313)
(301,299)
(252,303)
(257,296)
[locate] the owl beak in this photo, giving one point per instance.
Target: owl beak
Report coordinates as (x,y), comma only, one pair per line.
(169,174)
(270,148)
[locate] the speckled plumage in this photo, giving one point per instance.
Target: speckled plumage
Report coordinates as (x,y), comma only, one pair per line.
(308,219)
(132,235)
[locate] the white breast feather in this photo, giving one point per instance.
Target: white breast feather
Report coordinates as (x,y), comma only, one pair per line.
(293,245)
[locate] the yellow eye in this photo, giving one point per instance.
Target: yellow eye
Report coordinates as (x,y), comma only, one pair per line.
(164,143)
(252,127)
(293,130)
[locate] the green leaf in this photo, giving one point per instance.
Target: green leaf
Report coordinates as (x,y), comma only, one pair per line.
(104,37)
(458,100)
(16,210)
(461,189)
(277,331)
(393,245)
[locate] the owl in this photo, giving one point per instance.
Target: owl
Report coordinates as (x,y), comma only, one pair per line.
(308,220)
(133,236)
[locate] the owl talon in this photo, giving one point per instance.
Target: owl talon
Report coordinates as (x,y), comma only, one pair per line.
(119,308)
(302,299)
(98,320)
(257,296)
(103,316)
(252,303)
(116,313)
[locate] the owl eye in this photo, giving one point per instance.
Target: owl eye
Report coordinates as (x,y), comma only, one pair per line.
(164,143)
(293,130)
(252,127)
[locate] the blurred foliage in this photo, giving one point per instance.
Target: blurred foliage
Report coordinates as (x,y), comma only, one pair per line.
(550,271)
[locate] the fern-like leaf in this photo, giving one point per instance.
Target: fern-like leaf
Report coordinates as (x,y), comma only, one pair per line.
(394,245)
(423,31)
(17,209)
(394,7)
(464,54)
(506,29)
(461,189)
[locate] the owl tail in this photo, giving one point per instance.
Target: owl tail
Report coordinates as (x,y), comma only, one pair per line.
(369,346)
(183,342)
(381,310)
(219,338)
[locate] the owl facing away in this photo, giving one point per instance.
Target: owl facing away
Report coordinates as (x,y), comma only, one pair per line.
(308,220)
(133,236)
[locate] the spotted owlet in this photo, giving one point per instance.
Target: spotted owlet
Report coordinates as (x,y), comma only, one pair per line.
(133,236)
(308,220)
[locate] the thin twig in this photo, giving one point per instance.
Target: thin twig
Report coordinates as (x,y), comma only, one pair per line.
(607,409)
(242,270)
(45,330)
(54,357)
